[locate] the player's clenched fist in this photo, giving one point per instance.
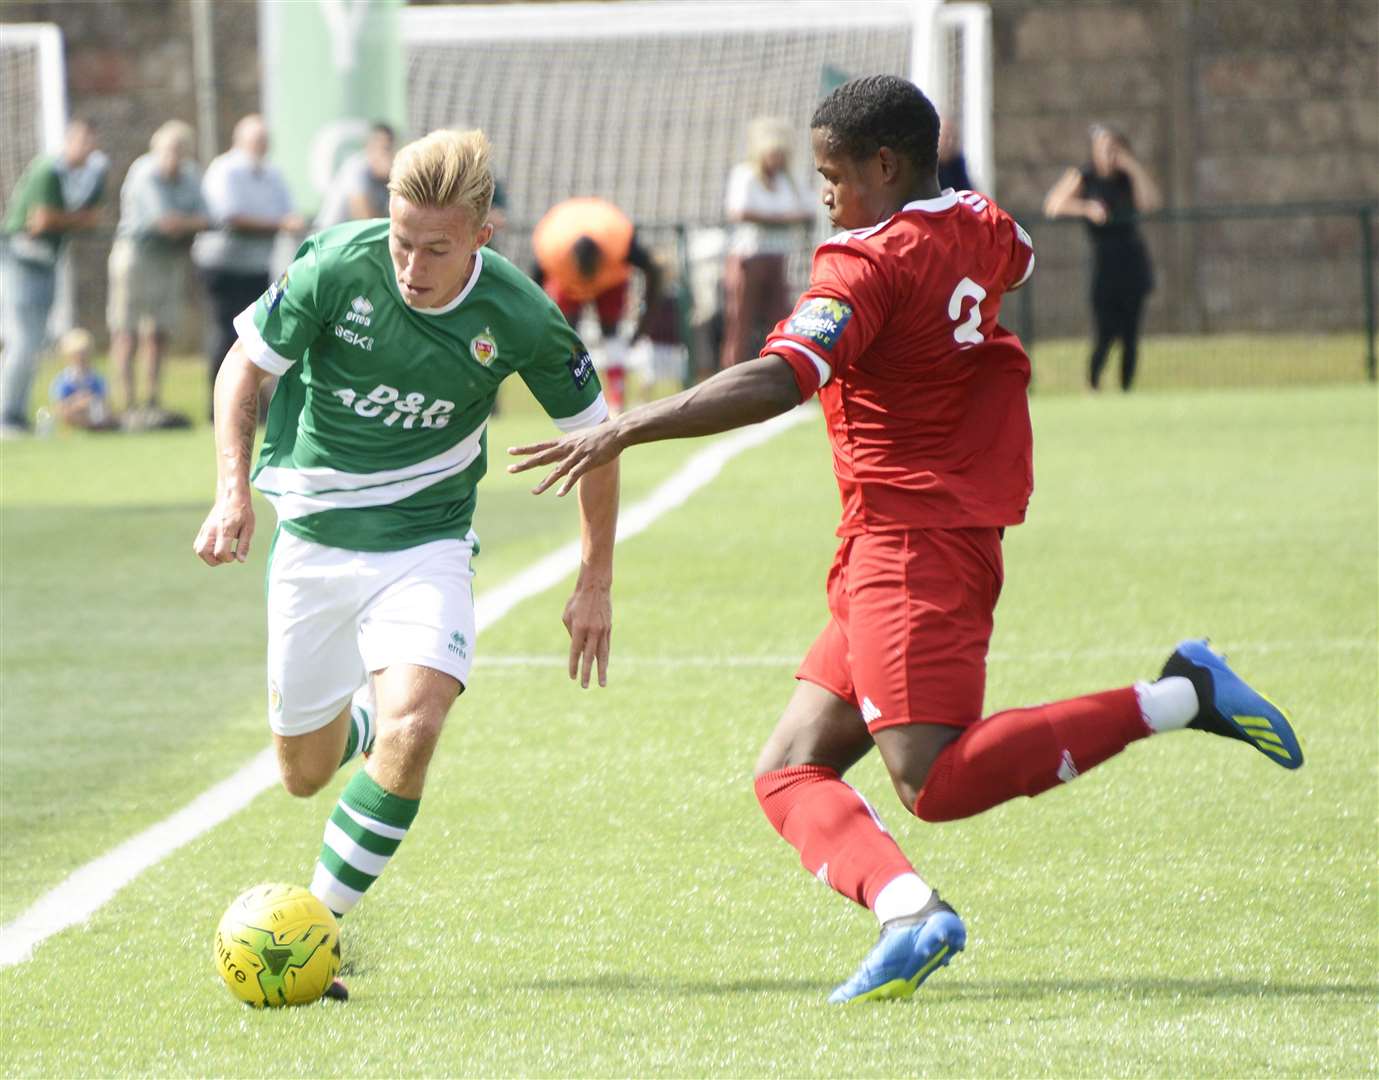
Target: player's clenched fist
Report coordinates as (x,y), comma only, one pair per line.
(225,534)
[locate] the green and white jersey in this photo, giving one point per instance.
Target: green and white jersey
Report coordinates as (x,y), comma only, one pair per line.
(376,434)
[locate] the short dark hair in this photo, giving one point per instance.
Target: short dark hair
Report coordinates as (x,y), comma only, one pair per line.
(378,127)
(588,256)
(880,110)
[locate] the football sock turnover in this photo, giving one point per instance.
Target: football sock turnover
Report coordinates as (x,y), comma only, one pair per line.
(840,839)
(367,826)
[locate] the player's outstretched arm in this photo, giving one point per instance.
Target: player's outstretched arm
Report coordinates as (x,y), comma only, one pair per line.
(225,534)
(745,394)
(589,613)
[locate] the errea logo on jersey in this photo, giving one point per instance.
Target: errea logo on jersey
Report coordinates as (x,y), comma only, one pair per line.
(360,310)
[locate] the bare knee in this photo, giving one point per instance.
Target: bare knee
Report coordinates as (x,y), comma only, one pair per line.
(817,728)
(299,779)
(410,737)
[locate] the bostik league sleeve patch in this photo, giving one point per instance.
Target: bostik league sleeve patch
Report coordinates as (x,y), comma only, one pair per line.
(273,297)
(581,366)
(820,320)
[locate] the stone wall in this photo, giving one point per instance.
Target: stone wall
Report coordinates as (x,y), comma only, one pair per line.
(1227,102)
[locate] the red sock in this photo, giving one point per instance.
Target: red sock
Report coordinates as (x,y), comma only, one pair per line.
(614,380)
(840,839)
(1026,751)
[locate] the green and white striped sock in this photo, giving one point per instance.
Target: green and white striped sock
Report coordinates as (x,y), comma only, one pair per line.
(361,836)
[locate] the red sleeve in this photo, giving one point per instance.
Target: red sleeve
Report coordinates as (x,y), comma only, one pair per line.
(835,320)
(1020,251)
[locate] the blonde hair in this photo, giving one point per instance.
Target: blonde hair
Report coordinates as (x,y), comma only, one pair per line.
(765,134)
(75,341)
(176,133)
(446,169)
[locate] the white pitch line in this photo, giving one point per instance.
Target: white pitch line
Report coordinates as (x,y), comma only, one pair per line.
(1242,648)
(83,892)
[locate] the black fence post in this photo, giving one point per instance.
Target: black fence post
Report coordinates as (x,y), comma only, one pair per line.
(1367,276)
(1026,316)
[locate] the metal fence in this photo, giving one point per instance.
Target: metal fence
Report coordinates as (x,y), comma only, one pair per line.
(1244,295)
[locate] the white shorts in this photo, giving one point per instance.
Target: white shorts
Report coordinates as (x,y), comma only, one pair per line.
(335,616)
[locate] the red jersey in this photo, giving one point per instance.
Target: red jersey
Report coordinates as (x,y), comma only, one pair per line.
(925,395)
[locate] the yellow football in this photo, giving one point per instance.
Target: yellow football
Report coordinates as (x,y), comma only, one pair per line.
(277,945)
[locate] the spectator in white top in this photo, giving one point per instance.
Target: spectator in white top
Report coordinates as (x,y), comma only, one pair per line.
(766,208)
(359,188)
(161,209)
(250,204)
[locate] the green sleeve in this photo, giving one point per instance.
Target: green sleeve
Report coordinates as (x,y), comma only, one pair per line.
(39,186)
(560,374)
(286,319)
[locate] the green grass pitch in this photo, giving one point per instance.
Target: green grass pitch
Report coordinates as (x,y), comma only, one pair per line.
(591,890)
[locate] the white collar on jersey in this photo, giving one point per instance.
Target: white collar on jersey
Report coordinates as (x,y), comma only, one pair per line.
(946,201)
(459,299)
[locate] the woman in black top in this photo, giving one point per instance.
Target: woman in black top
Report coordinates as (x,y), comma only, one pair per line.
(1110,192)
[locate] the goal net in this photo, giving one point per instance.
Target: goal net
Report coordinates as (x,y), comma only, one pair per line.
(647,103)
(33,105)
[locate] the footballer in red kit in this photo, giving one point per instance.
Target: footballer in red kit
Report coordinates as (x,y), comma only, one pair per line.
(924,394)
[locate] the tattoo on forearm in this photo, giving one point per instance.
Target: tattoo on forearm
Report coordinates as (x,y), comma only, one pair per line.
(243,423)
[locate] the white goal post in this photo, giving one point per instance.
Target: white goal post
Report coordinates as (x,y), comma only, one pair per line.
(962,84)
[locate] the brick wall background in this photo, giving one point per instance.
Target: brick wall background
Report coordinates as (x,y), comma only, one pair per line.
(1227,101)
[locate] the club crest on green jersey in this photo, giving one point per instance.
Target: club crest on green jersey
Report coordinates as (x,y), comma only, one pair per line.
(483,348)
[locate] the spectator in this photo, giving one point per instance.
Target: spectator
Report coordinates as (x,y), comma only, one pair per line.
(661,357)
(359,189)
(952,163)
(765,208)
(160,211)
(1110,192)
(585,250)
(250,204)
(55,197)
(78,394)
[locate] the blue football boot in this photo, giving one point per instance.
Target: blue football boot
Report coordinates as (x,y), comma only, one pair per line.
(1228,706)
(909,950)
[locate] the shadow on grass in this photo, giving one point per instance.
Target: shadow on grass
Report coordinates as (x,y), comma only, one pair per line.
(952,989)
(1150,987)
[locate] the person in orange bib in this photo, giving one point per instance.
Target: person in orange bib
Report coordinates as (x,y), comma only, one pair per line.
(585,250)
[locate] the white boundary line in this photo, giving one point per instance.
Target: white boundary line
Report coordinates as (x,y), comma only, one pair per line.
(1243,648)
(83,892)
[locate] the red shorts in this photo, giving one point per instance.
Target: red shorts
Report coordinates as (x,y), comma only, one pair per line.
(610,304)
(911,624)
